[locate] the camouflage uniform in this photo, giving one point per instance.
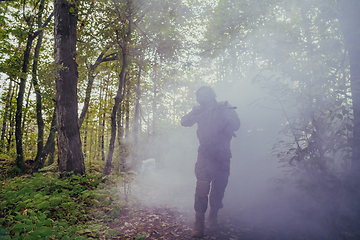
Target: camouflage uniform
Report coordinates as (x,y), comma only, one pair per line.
(216,126)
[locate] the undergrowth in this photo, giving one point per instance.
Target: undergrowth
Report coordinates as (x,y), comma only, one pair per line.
(43,206)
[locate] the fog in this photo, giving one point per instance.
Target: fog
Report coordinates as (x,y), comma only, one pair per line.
(261,200)
(251,199)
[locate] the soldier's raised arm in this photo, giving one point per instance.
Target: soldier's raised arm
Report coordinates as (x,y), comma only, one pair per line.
(191,118)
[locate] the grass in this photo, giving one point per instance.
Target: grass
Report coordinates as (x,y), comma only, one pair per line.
(44,206)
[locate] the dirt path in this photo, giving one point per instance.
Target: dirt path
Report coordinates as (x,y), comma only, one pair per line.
(163,209)
(166,223)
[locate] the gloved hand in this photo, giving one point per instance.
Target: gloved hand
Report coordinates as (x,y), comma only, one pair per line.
(197,110)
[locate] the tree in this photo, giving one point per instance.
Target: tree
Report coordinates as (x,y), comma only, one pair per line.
(49,146)
(124,45)
(31,35)
(349,19)
(3,129)
(69,143)
(39,117)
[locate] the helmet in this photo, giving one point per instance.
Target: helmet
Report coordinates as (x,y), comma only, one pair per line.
(205,95)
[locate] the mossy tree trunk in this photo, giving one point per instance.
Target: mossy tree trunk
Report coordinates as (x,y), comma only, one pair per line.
(69,143)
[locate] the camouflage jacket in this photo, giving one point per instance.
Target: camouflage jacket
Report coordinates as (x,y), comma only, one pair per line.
(216,125)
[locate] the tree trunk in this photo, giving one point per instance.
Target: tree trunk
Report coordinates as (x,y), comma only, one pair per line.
(118,99)
(69,143)
(154,100)
(19,104)
(119,124)
(350,25)
(120,134)
(11,128)
(102,122)
(20,98)
(24,126)
(137,108)
(39,118)
(85,137)
(127,112)
(119,95)
(136,121)
(49,146)
(91,78)
(6,109)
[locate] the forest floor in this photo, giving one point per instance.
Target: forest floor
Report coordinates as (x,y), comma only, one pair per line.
(156,207)
(164,210)
(167,223)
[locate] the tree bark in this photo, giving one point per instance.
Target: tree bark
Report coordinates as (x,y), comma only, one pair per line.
(120,135)
(6,109)
(91,77)
(154,100)
(20,98)
(137,109)
(49,146)
(69,143)
(127,112)
(85,136)
(19,104)
(11,127)
(136,121)
(102,121)
(118,99)
(119,95)
(39,118)
(26,110)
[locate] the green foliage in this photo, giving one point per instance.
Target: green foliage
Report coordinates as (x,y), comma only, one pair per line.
(6,165)
(77,207)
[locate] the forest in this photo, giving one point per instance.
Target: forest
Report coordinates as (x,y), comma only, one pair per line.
(92,88)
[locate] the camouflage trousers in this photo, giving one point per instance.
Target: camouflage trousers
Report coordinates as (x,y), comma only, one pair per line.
(212,171)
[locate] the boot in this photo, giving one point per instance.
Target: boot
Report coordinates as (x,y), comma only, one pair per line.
(198,230)
(213,218)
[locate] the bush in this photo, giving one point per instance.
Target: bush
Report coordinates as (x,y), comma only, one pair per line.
(45,206)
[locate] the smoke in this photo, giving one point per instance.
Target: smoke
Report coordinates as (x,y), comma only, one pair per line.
(260,195)
(173,182)
(253,199)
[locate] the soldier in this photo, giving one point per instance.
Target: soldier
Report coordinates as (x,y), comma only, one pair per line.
(217,122)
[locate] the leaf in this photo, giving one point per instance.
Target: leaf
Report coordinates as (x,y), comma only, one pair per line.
(4,233)
(41,216)
(63,224)
(42,231)
(19,226)
(29,227)
(65,205)
(43,205)
(48,222)
(20,217)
